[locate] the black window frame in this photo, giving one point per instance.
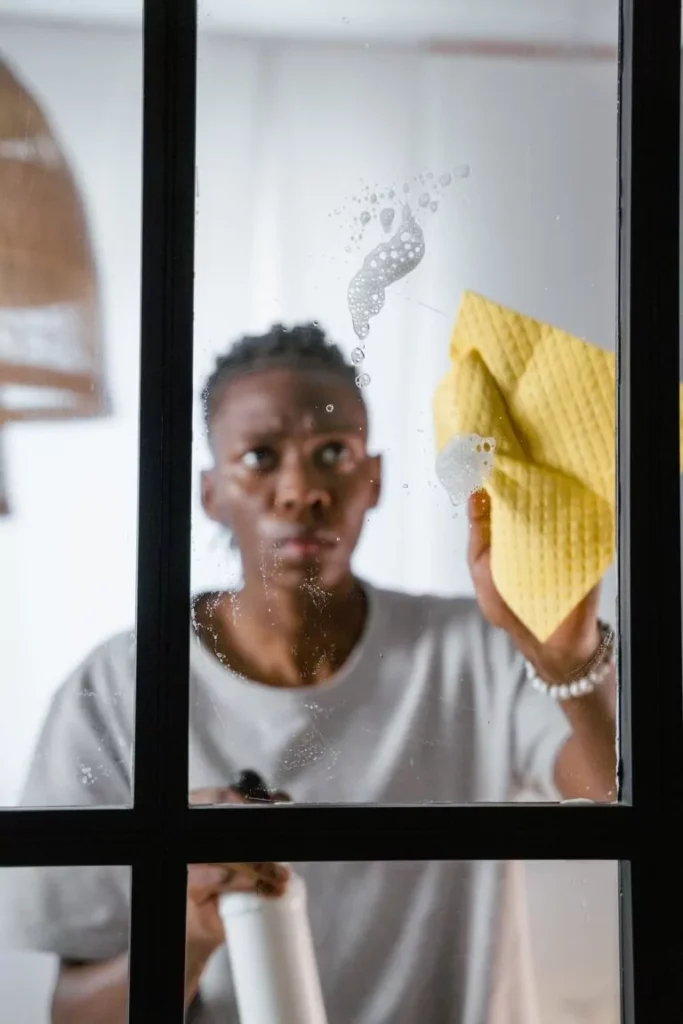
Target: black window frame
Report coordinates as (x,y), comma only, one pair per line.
(159,835)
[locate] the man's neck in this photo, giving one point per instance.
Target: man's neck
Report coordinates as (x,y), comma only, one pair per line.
(291,637)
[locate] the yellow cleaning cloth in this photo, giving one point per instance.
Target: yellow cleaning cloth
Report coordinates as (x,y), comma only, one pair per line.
(548,400)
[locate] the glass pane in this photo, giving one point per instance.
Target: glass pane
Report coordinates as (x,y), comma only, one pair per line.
(438,194)
(401,942)
(70,181)
(64,935)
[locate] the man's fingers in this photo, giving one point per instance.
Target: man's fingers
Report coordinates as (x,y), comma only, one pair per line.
(479,515)
(215,795)
(249,789)
(205,881)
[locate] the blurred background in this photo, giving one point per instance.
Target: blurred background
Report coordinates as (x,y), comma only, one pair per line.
(305,112)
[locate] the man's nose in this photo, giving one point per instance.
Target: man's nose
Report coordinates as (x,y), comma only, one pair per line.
(299,487)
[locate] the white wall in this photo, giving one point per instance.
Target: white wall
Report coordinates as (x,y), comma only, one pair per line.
(533,226)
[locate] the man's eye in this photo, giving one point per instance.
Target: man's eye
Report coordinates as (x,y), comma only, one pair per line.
(259,458)
(332,454)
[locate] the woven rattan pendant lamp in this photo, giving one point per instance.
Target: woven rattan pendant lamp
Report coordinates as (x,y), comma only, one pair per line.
(50,351)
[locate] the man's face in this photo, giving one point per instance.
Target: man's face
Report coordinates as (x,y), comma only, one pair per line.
(292,478)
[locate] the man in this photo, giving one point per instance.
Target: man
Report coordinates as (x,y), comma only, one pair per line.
(331,690)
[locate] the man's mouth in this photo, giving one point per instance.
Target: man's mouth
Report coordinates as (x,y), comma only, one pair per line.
(305,545)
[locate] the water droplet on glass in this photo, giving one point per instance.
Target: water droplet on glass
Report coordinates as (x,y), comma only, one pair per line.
(357,356)
(463,171)
(434,206)
(382,255)
(364,218)
(373,197)
(406,187)
(362,380)
(329,408)
(424,199)
(391,193)
(445,180)
(430,174)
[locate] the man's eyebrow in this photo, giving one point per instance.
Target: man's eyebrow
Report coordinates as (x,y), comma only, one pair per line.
(274,430)
(340,428)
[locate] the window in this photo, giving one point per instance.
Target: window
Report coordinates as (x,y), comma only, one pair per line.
(159,835)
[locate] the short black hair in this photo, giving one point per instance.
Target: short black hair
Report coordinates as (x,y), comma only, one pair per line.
(304,346)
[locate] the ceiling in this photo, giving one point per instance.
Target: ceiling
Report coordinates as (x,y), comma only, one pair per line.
(592,22)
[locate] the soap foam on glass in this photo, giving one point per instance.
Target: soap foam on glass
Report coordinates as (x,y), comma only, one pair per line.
(464,465)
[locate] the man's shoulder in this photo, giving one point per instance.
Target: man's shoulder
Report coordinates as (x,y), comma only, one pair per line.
(425,608)
(106,674)
(450,633)
(455,622)
(410,617)
(113,657)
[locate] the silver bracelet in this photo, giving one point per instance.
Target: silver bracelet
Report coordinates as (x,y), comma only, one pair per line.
(587,678)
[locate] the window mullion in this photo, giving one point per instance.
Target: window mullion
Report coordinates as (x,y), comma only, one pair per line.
(651,716)
(162,682)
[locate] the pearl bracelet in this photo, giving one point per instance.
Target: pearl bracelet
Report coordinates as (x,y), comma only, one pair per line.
(587,678)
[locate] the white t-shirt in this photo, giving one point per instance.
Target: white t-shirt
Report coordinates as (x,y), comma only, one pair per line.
(431,707)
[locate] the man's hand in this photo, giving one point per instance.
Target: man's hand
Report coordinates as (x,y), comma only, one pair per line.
(570,646)
(586,764)
(206,883)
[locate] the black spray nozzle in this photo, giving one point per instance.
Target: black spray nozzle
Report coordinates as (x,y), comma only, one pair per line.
(252,786)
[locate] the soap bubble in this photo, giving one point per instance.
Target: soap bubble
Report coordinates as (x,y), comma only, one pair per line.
(464,465)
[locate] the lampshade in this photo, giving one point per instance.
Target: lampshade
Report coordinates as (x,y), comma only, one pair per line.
(50,346)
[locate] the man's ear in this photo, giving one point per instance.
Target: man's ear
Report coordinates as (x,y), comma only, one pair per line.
(208,494)
(375,473)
